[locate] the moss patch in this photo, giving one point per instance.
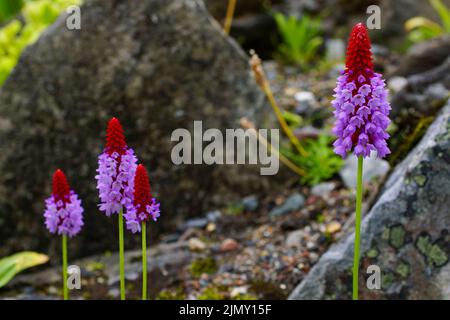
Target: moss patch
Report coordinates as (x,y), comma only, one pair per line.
(397,236)
(203,265)
(211,293)
(403,269)
(434,254)
(387,279)
(373,253)
(176,294)
(420,180)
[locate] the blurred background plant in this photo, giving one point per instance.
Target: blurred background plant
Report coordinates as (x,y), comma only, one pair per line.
(9,9)
(23,22)
(321,163)
(10,266)
(422,29)
(312,159)
(301,38)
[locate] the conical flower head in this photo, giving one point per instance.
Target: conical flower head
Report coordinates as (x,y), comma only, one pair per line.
(61,189)
(144,207)
(115,140)
(361,106)
(63,213)
(359,56)
(116,169)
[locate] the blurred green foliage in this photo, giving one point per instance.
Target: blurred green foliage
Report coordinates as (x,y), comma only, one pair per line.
(177,294)
(203,265)
(35,16)
(422,29)
(301,38)
(211,293)
(12,265)
(320,164)
(9,8)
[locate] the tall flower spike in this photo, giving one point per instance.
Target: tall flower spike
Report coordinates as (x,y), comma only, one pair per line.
(116,169)
(64,213)
(361,105)
(144,207)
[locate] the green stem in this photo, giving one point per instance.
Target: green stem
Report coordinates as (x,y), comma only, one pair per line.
(121,257)
(64,267)
(359,192)
(144,262)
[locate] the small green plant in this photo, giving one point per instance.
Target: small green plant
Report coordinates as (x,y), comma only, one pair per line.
(421,28)
(177,294)
(246,296)
(12,265)
(211,293)
(301,38)
(17,34)
(203,265)
(321,164)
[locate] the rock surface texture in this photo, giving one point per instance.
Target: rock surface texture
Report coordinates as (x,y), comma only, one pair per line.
(406,233)
(157,65)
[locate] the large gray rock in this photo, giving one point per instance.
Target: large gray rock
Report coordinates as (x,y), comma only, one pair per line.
(406,233)
(424,56)
(424,94)
(157,65)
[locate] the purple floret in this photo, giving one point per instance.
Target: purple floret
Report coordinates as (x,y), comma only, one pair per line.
(135,217)
(362,116)
(115,180)
(64,218)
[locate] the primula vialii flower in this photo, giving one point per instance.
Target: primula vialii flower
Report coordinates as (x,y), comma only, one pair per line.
(144,207)
(64,213)
(361,106)
(116,169)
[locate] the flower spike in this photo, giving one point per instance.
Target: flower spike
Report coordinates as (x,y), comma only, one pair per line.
(64,213)
(116,169)
(144,207)
(361,105)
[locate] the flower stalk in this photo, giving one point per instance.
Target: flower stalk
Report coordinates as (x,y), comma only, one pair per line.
(229,18)
(142,209)
(261,80)
(63,216)
(356,251)
(121,256)
(362,117)
(115,182)
(245,123)
(144,261)
(64,267)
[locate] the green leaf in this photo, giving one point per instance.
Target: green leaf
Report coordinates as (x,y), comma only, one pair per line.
(293,119)
(12,265)
(9,8)
(443,12)
(301,38)
(321,164)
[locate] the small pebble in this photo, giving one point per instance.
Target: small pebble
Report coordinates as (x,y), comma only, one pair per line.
(196,244)
(228,245)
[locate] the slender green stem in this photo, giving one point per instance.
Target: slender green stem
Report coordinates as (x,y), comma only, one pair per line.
(64,267)
(121,257)
(359,192)
(144,262)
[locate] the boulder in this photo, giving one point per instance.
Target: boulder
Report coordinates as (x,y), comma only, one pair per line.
(424,93)
(157,65)
(406,233)
(424,56)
